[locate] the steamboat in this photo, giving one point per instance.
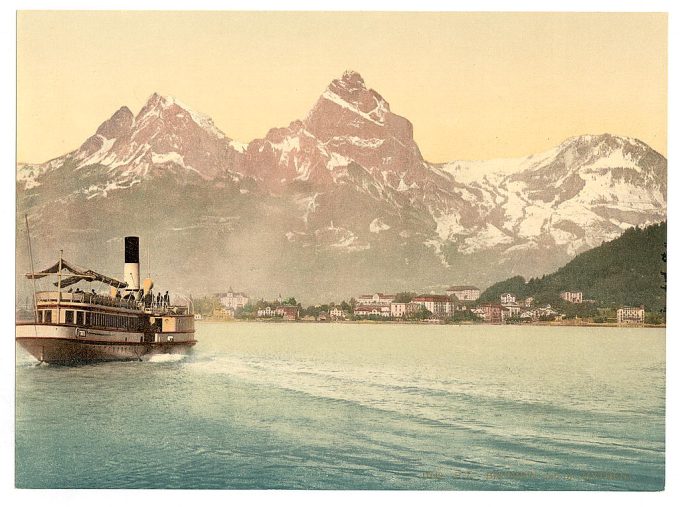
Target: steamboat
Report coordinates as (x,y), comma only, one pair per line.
(128,322)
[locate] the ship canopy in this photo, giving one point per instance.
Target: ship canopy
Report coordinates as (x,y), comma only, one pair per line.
(77,274)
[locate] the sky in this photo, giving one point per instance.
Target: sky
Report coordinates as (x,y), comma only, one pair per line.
(474,85)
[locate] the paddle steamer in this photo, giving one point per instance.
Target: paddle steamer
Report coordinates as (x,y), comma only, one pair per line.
(129,322)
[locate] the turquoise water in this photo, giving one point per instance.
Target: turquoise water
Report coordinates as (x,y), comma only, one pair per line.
(349,406)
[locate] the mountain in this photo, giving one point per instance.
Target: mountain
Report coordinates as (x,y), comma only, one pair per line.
(624,271)
(336,203)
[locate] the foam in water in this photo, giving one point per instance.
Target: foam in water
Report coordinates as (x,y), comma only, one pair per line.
(166,358)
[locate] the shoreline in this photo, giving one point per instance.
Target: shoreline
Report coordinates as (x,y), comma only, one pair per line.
(420,323)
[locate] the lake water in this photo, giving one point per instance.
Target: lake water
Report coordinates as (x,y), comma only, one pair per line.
(352,406)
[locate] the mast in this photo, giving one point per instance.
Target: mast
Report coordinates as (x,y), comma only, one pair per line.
(30,254)
(61,255)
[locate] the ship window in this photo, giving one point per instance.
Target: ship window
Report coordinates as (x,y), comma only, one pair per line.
(40,317)
(80,318)
(48,316)
(87,318)
(69,317)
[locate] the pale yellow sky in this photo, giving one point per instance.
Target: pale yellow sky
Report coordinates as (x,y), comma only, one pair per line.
(475,85)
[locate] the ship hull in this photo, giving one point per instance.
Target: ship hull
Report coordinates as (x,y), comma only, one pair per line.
(66,345)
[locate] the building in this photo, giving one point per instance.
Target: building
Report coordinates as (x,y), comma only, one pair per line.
(546,312)
(464,292)
(223,313)
(372,310)
(440,306)
(401,310)
(572,297)
(288,312)
(529,315)
(491,313)
(233,299)
(511,310)
(266,312)
(337,313)
(198,316)
(630,315)
(375,299)
(478,312)
(508,298)
(528,302)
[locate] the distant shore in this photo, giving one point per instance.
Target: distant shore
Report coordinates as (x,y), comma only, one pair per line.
(563,323)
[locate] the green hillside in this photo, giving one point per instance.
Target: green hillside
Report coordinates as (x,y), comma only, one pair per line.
(624,271)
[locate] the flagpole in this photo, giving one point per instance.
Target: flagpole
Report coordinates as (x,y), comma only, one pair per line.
(30,253)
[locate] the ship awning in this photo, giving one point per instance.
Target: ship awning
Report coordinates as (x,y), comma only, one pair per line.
(77,274)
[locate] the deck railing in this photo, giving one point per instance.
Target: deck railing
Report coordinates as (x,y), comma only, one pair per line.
(105,300)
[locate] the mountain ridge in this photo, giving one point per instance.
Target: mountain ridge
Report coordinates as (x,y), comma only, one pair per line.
(626,271)
(348,183)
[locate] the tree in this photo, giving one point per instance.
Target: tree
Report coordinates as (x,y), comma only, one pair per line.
(404,297)
(464,316)
(421,313)
(311,311)
(206,304)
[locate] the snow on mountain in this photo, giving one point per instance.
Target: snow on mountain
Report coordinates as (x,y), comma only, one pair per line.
(578,194)
(166,137)
(349,179)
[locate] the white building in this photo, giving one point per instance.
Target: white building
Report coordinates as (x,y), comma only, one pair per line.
(337,313)
(511,310)
(528,314)
(464,292)
(400,310)
(508,298)
(440,306)
(233,299)
(375,299)
(266,312)
(546,311)
(572,297)
(630,315)
(372,310)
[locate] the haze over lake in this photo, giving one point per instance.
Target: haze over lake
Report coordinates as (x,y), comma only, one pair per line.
(352,406)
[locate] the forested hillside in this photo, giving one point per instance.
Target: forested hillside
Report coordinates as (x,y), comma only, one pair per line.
(624,271)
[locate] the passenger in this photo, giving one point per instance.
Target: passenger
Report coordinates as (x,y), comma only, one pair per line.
(166,299)
(158,300)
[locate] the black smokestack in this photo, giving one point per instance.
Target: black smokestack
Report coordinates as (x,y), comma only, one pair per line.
(131,249)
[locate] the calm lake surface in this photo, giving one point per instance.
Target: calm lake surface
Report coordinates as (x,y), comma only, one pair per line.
(351,406)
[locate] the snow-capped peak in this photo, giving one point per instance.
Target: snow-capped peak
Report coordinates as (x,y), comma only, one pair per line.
(166,102)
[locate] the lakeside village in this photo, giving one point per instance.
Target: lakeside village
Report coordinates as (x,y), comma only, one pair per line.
(460,304)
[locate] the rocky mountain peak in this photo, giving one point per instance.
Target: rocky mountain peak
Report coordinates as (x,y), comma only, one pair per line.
(120,123)
(356,122)
(350,81)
